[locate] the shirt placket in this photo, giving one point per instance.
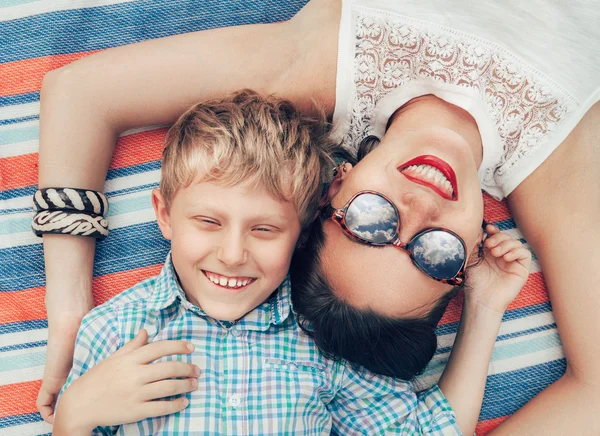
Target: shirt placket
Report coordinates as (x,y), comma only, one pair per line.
(236,377)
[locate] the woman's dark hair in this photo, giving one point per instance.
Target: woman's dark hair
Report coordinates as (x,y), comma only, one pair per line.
(395,347)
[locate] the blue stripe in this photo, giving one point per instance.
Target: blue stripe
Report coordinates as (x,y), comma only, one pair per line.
(10,421)
(7,3)
(23,346)
(22,361)
(507,392)
(28,191)
(11,136)
(509,315)
(30,97)
(109,26)
(22,326)
(128,205)
(19,120)
(131,247)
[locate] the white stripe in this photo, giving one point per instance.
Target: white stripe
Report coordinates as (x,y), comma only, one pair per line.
(19,110)
(94,200)
(146,178)
(509,327)
(40,427)
(19,148)
(39,198)
(55,198)
(499,366)
(75,198)
(42,7)
(22,352)
(114,222)
(19,126)
(37,335)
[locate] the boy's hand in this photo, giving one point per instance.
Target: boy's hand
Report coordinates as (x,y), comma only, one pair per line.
(121,389)
(499,278)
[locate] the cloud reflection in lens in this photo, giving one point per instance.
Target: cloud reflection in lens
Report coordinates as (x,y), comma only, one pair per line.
(439,253)
(372,218)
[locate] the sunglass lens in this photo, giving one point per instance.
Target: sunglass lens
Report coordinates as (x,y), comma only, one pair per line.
(440,254)
(372,218)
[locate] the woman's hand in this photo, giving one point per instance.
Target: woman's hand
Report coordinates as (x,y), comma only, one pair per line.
(122,388)
(499,278)
(59,360)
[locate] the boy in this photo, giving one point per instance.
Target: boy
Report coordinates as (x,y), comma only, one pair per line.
(240,181)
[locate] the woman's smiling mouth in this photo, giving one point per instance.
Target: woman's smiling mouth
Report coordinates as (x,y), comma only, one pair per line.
(434,173)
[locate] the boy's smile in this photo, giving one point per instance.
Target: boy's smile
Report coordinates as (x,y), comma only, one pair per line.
(231,246)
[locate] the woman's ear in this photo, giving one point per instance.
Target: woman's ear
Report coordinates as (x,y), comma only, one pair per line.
(342,172)
(162,214)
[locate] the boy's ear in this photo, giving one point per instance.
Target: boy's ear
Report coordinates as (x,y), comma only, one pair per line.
(336,184)
(162,213)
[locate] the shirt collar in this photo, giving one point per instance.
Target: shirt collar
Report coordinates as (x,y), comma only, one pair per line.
(274,311)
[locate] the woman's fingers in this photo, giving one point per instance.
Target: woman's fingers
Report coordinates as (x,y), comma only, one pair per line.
(167,388)
(156,350)
(153,409)
(500,247)
(166,370)
(521,253)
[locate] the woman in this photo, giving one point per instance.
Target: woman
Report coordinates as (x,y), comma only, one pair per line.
(362,83)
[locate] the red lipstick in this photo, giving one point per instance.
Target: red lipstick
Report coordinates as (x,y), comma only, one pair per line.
(438,164)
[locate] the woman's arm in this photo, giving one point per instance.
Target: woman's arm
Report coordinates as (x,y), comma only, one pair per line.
(557,209)
(85,105)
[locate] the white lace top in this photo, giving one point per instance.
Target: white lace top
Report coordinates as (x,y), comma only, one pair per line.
(526,71)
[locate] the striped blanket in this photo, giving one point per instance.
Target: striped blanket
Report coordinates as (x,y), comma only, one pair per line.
(38,36)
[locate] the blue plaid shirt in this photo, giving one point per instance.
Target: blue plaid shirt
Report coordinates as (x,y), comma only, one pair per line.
(259,376)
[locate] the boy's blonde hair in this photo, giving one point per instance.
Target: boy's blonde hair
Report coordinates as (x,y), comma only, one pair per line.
(247,137)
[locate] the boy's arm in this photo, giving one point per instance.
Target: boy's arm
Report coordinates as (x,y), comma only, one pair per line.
(85,105)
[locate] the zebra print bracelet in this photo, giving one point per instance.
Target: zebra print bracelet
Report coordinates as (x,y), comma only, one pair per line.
(81,200)
(68,222)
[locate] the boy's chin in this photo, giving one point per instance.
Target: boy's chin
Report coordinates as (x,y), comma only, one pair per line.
(229,314)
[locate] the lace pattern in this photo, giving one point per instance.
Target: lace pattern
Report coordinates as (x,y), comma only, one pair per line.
(392,50)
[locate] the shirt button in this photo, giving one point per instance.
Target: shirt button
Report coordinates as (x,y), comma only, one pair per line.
(235,400)
(235,332)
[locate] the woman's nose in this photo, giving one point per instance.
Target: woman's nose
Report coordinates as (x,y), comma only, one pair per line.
(231,251)
(417,211)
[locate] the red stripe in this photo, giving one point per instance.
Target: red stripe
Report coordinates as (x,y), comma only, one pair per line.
(21,77)
(534,292)
(484,427)
(28,305)
(19,398)
(21,171)
(495,210)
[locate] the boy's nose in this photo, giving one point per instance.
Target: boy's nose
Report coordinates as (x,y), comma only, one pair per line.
(232,252)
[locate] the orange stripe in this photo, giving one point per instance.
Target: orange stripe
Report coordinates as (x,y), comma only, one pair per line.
(484,427)
(20,77)
(534,292)
(21,171)
(107,286)
(494,210)
(19,398)
(28,305)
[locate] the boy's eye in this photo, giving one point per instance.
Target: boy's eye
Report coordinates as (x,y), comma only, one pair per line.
(263,229)
(209,221)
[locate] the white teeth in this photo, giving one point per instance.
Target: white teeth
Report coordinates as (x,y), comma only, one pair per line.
(432,173)
(225,281)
